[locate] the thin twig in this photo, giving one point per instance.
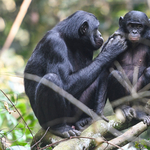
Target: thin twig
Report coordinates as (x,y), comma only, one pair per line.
(79,137)
(18,112)
(41,138)
(113,144)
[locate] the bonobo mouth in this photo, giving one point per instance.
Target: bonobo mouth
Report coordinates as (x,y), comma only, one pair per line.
(134,38)
(100,42)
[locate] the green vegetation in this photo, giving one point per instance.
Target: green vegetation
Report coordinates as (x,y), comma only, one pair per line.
(41,16)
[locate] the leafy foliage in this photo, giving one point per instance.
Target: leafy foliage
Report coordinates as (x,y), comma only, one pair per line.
(13,129)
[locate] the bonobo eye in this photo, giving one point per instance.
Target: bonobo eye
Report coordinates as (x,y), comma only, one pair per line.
(96,30)
(130,25)
(139,26)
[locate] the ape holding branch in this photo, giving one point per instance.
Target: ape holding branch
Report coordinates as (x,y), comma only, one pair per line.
(134,72)
(64,57)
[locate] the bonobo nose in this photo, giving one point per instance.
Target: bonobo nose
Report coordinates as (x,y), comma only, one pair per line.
(102,39)
(99,33)
(135,31)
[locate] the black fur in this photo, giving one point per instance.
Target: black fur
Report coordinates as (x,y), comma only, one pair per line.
(64,56)
(135,27)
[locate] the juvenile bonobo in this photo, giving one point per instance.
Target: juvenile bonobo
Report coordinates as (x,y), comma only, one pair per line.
(64,57)
(135,27)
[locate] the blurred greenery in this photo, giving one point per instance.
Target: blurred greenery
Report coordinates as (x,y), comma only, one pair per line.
(42,15)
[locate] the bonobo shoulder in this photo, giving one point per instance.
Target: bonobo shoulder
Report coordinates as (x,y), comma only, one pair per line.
(52,35)
(53,41)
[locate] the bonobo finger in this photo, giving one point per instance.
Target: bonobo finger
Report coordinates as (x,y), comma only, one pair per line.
(129,117)
(118,33)
(69,133)
(79,127)
(110,41)
(77,132)
(146,120)
(132,112)
(66,134)
(72,133)
(129,114)
(117,36)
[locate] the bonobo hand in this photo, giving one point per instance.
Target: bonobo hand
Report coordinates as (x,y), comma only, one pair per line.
(115,45)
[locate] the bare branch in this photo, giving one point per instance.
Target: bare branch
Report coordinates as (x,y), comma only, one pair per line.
(128,136)
(16,25)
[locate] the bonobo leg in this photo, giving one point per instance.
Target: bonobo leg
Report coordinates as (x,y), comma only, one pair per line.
(102,95)
(116,82)
(52,110)
(143,80)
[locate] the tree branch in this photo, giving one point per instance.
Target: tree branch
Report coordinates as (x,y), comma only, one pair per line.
(14,29)
(91,135)
(125,138)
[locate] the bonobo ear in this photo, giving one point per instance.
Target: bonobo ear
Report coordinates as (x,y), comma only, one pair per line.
(121,21)
(83,28)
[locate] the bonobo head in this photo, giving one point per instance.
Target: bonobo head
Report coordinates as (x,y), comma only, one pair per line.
(82,28)
(134,24)
(88,31)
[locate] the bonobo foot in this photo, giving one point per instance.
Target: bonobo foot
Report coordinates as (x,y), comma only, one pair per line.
(82,123)
(129,112)
(64,131)
(146,120)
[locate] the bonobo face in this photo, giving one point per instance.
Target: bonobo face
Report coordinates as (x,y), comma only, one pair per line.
(98,40)
(134,31)
(134,25)
(89,32)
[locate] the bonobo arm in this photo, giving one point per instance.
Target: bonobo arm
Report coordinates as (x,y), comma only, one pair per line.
(76,82)
(114,47)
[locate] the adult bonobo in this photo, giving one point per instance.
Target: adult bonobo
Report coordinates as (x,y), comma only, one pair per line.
(64,57)
(135,26)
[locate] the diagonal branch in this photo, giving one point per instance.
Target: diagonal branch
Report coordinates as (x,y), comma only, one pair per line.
(14,29)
